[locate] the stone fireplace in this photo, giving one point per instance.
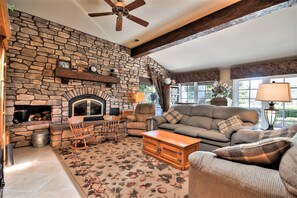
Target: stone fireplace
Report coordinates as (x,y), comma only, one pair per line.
(35,47)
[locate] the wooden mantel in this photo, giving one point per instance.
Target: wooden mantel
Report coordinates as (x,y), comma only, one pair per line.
(66,73)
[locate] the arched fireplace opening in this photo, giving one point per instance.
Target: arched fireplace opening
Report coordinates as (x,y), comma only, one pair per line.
(90,106)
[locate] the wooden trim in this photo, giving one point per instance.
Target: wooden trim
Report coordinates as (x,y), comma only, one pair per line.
(242,11)
(66,73)
(4,23)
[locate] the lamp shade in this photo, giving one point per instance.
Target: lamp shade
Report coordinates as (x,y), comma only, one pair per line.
(140,97)
(274,92)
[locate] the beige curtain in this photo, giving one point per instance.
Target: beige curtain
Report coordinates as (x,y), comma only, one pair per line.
(159,84)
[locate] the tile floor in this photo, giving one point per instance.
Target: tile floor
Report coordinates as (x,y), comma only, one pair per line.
(37,173)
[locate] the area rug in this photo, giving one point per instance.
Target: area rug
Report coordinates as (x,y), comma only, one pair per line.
(121,170)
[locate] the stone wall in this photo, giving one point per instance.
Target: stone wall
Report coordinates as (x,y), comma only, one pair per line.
(36,45)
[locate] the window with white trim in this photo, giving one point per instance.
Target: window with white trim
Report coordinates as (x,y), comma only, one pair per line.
(204,93)
(245,91)
(187,93)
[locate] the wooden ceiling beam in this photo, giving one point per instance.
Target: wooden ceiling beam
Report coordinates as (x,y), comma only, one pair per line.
(242,11)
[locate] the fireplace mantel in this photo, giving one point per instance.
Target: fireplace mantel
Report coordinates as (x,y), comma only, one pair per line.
(66,73)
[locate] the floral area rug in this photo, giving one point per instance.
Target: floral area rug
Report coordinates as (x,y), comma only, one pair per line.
(121,170)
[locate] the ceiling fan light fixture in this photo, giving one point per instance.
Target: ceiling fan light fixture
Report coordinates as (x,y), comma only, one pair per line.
(122,10)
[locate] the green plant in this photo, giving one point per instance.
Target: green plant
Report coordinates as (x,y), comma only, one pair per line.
(11,7)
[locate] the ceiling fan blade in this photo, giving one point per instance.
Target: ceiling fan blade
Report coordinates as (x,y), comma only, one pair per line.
(119,24)
(135,4)
(110,3)
(138,20)
(100,14)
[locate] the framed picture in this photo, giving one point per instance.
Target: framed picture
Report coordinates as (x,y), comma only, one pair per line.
(64,64)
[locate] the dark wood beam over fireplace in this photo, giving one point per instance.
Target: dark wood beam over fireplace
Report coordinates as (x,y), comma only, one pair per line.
(242,11)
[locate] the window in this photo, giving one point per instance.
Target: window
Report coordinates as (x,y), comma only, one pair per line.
(149,90)
(199,93)
(187,93)
(245,91)
(287,114)
(204,93)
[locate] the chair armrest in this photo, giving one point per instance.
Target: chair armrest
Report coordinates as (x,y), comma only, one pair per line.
(131,118)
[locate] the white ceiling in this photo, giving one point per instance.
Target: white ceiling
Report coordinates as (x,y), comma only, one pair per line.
(269,37)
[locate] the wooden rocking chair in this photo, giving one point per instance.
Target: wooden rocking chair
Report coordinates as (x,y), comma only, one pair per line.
(80,133)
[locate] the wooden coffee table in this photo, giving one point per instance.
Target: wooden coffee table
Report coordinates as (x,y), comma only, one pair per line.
(171,148)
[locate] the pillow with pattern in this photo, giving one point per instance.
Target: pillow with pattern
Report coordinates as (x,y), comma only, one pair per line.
(227,126)
(172,116)
(284,132)
(264,152)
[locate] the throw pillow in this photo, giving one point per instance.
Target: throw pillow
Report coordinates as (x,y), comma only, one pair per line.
(264,152)
(285,132)
(227,126)
(172,116)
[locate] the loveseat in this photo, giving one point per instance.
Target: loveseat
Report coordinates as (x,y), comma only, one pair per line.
(211,176)
(201,121)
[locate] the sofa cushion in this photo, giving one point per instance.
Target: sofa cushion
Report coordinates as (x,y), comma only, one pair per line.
(213,135)
(203,110)
(287,168)
(136,125)
(214,124)
(183,109)
(284,132)
(213,143)
(199,121)
(170,126)
(185,119)
(264,152)
(226,126)
(190,130)
(173,116)
(246,114)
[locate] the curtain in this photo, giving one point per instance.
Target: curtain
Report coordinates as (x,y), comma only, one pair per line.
(159,84)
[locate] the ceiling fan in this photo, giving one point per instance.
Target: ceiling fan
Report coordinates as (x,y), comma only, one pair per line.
(122,10)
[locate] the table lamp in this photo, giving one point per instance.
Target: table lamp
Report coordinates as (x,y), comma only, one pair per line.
(273,92)
(140,97)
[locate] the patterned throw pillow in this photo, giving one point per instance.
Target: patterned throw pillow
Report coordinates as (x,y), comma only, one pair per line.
(226,126)
(264,152)
(172,116)
(285,132)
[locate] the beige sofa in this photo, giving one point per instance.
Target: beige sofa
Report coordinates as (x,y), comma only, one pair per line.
(210,176)
(201,121)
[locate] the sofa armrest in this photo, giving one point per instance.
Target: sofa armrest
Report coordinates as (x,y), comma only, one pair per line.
(231,179)
(160,120)
(245,136)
